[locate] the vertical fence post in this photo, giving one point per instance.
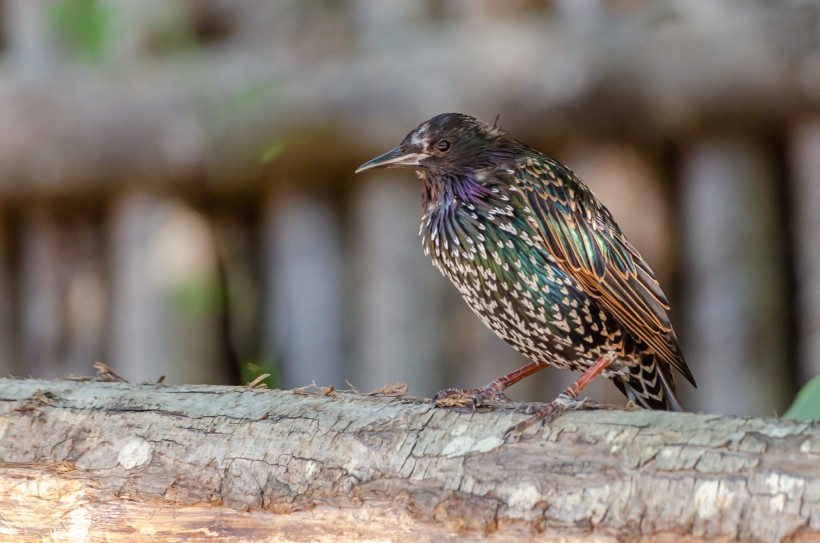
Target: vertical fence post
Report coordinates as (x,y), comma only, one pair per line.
(162,266)
(31,47)
(805,158)
(40,272)
(10,360)
(399,323)
(735,313)
(303,306)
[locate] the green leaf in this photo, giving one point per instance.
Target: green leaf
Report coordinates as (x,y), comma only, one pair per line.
(272,151)
(199,296)
(806,405)
(251,370)
(84,25)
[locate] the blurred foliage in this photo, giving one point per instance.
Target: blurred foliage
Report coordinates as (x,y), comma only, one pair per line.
(246,101)
(252,370)
(806,405)
(89,29)
(173,31)
(197,296)
(243,100)
(272,151)
(84,25)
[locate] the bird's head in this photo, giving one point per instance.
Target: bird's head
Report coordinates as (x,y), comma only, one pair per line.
(446,143)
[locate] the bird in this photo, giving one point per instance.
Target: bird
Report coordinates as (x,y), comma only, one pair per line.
(541,262)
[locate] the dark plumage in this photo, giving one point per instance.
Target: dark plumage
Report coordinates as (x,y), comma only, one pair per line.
(540,260)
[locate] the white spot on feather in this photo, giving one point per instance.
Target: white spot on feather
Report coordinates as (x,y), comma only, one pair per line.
(418,136)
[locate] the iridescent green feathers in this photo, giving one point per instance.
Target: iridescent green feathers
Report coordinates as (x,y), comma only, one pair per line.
(582,235)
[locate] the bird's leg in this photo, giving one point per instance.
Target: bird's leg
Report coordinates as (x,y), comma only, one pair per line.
(567,400)
(494,392)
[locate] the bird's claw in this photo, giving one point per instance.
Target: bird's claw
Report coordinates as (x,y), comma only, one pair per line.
(546,414)
(474,397)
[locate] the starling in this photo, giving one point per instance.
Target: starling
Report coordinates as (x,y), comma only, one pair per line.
(541,262)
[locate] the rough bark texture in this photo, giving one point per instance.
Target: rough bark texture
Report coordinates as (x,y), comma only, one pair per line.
(90,461)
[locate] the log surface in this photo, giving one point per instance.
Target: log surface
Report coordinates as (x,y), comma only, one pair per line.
(92,461)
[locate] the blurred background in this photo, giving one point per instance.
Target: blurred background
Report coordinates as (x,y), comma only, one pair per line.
(177,194)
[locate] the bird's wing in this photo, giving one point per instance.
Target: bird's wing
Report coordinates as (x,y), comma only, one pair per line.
(582,235)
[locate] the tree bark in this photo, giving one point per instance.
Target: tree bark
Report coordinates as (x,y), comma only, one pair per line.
(96,461)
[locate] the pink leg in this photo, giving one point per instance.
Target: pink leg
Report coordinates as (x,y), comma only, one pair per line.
(594,371)
(565,400)
(492,391)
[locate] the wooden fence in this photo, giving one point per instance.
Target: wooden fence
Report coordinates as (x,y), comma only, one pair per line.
(136,184)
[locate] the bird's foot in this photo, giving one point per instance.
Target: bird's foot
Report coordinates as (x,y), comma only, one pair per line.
(474,397)
(545,415)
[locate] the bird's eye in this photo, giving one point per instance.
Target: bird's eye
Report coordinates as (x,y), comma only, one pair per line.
(443,145)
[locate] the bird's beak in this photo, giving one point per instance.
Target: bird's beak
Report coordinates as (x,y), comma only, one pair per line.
(395,158)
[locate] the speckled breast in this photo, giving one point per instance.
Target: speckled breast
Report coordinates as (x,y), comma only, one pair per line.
(516,288)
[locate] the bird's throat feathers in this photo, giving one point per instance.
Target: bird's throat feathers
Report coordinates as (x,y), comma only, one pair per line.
(444,194)
(457,209)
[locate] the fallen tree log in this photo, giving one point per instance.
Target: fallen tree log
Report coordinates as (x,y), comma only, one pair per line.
(95,461)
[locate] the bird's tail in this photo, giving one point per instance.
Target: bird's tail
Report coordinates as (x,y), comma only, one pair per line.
(650,385)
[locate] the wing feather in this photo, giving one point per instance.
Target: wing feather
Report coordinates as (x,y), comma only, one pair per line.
(582,235)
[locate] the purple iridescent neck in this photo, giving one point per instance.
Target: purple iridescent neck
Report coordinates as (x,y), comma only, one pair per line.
(442,193)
